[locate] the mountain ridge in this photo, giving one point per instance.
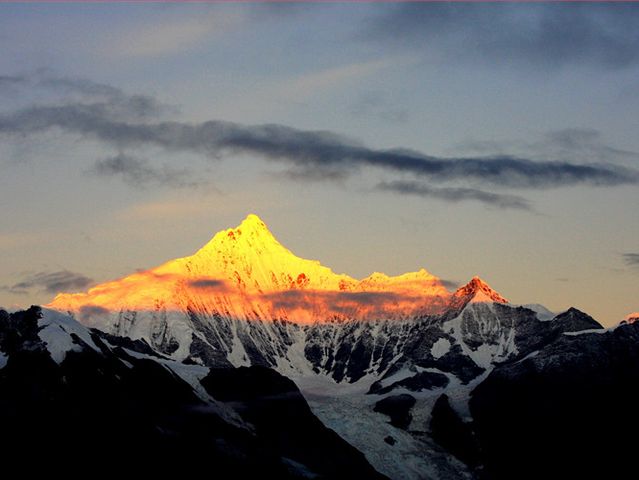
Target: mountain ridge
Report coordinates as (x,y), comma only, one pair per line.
(247,270)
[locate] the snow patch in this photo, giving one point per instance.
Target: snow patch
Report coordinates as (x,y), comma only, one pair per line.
(346,409)
(589,331)
(398,376)
(56,331)
(543,314)
(530,355)
(237,356)
(440,348)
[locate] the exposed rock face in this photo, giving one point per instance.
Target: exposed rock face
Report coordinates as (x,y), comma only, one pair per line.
(453,434)
(397,407)
(418,382)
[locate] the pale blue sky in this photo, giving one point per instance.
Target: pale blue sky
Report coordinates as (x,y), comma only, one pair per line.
(546,88)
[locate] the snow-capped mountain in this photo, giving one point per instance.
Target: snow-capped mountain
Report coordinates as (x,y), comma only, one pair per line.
(392,364)
(244,299)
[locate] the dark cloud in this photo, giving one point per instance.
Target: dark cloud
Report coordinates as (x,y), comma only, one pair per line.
(455,194)
(208,284)
(582,141)
(570,145)
(11,80)
(377,104)
(309,152)
(139,172)
(87,312)
(51,282)
(539,36)
(573,138)
(78,85)
(351,304)
(114,100)
(450,284)
(337,302)
(631,259)
(111,100)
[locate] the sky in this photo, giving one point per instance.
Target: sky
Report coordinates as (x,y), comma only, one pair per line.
(497,140)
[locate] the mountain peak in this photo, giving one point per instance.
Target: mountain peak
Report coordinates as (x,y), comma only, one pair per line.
(251,233)
(253,223)
(245,272)
(478,290)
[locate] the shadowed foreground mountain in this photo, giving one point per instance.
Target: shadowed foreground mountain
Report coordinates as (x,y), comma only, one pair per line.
(77,397)
(225,351)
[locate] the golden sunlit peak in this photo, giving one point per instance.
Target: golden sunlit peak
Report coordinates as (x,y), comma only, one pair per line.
(480,291)
(253,222)
(251,225)
(244,271)
(251,230)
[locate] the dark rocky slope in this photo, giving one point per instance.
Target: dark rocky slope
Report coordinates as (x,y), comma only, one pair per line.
(565,411)
(113,406)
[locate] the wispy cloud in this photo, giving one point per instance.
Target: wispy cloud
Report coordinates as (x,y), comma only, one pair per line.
(110,100)
(631,259)
(569,144)
(377,104)
(166,209)
(139,172)
(540,36)
(50,282)
(584,141)
(301,86)
(87,312)
(9,81)
(450,284)
(208,284)
(165,36)
(455,195)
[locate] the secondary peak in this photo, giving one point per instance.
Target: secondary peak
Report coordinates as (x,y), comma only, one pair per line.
(480,291)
